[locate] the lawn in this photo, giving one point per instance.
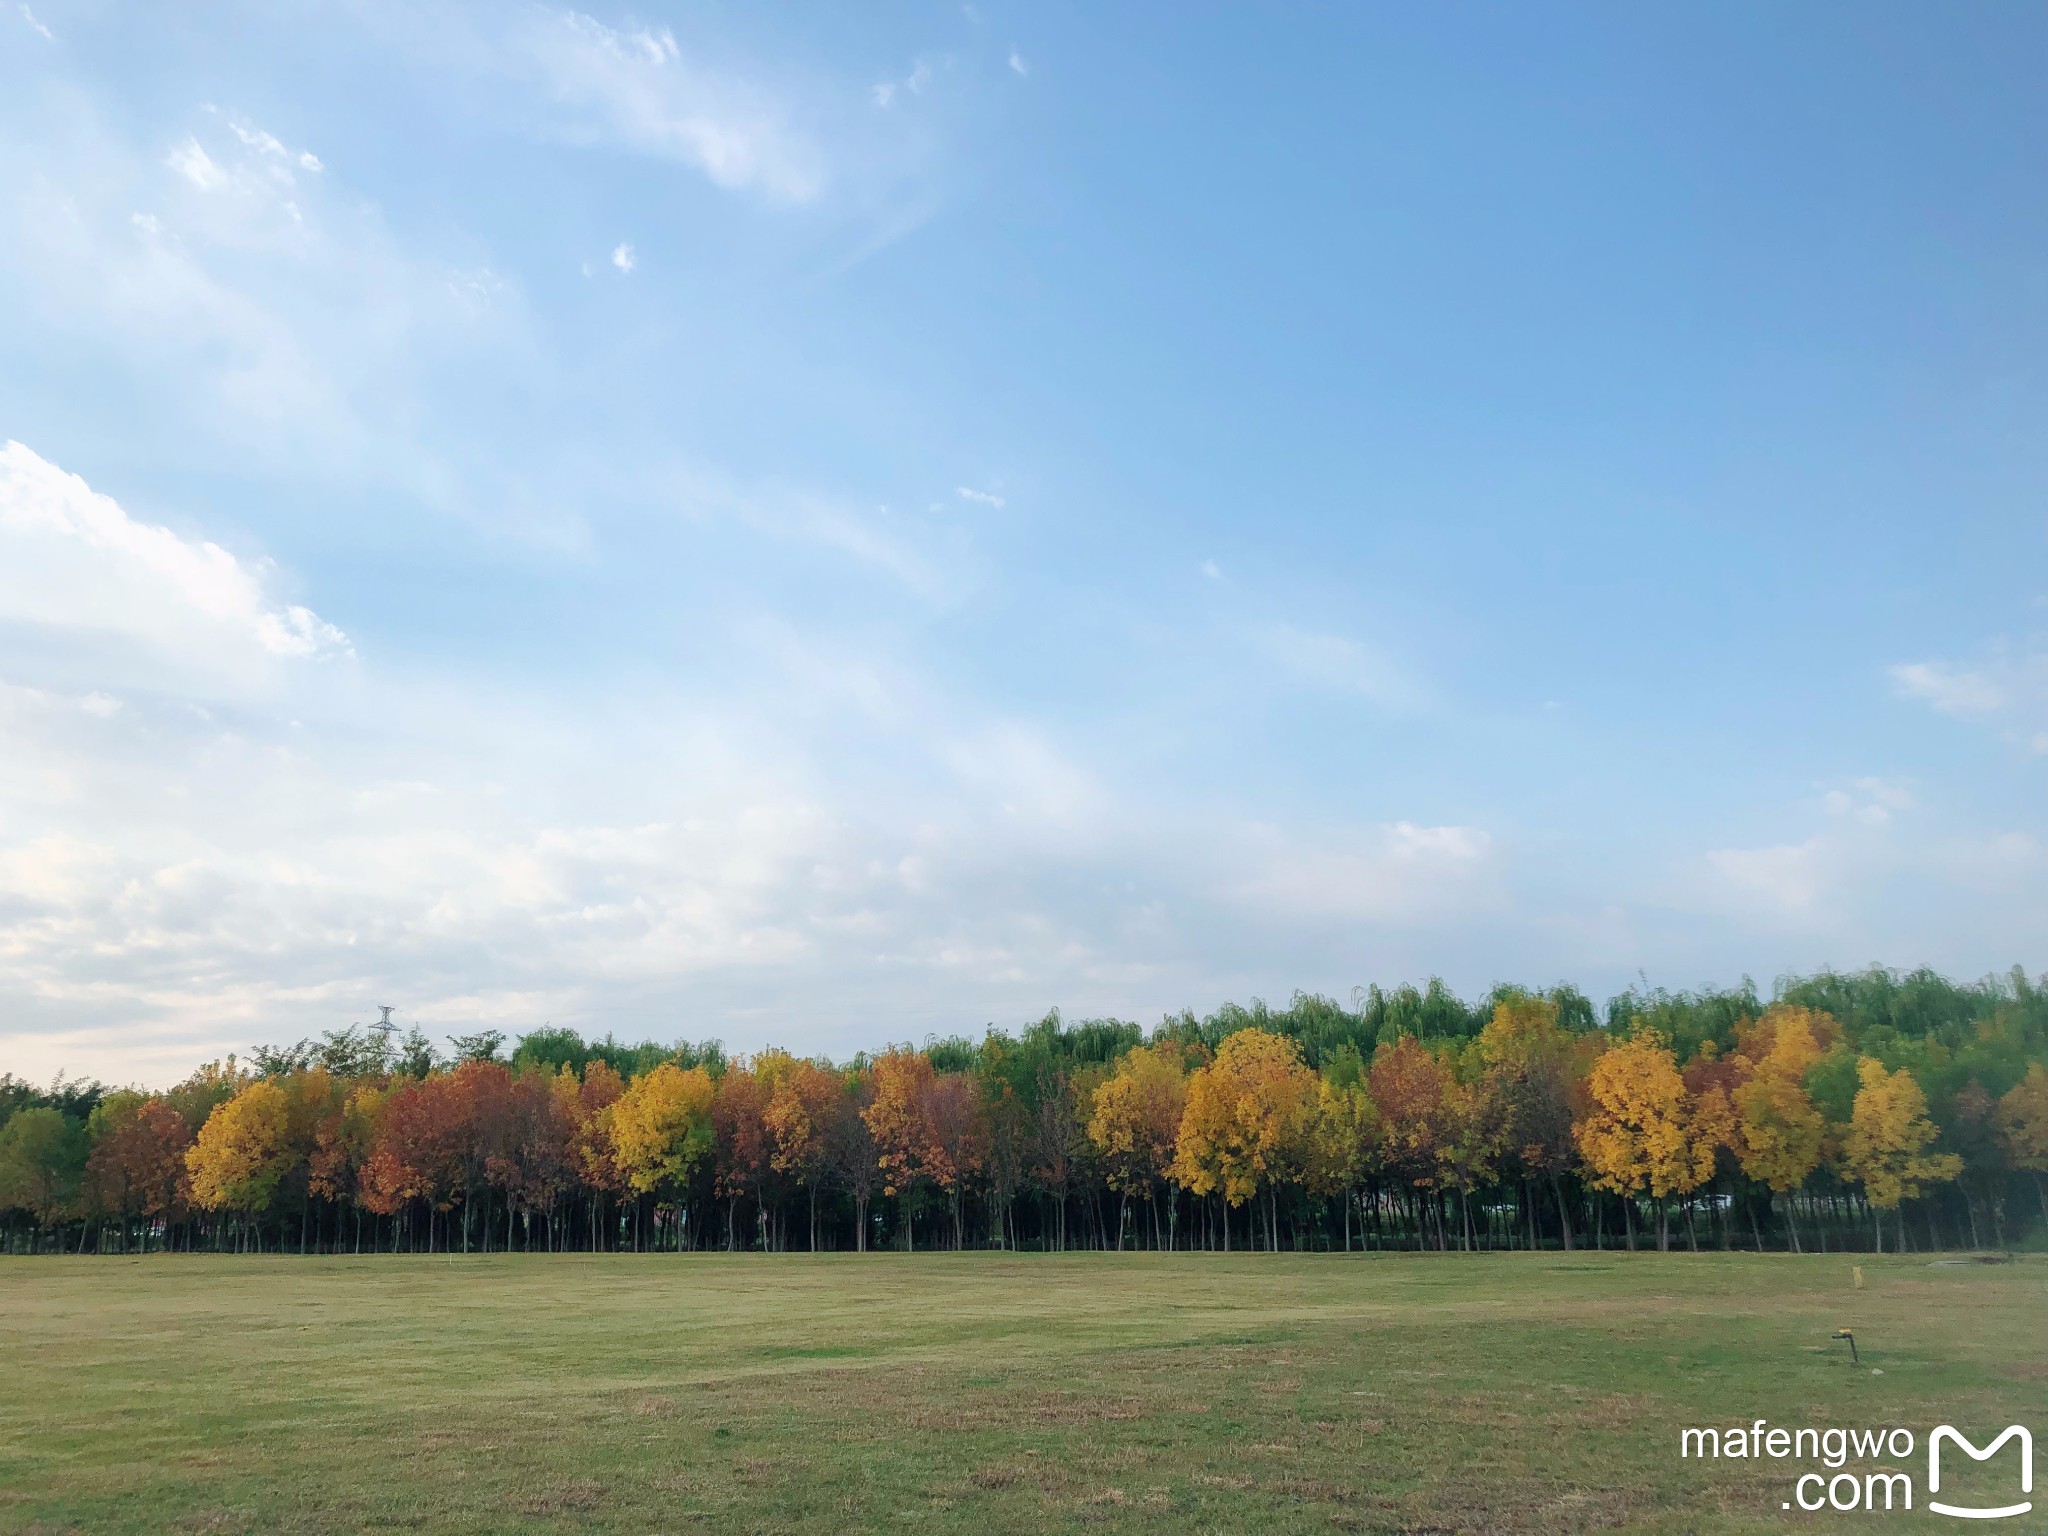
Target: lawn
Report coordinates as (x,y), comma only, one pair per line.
(973,1392)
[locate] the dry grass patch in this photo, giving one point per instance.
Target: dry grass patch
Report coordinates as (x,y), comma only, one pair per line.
(563,1499)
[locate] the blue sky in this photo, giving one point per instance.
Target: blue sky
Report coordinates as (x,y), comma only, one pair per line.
(823,525)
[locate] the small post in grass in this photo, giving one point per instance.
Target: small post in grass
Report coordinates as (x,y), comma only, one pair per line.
(1850,1335)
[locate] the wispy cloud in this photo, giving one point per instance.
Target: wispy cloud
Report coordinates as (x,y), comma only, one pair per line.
(1787,877)
(1948,689)
(1870,800)
(982,498)
(191,161)
(913,84)
(1339,662)
(250,305)
(36,26)
(634,86)
(1401,872)
(2008,690)
(1017,61)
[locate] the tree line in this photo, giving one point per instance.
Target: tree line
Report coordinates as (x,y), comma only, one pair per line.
(1858,1110)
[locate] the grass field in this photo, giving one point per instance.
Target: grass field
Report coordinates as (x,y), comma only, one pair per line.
(974,1392)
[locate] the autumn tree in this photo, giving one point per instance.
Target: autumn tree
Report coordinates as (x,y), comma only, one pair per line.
(1473,1137)
(1534,1065)
(855,1158)
(1247,1122)
(592,1153)
(1135,1125)
(342,1147)
(1343,1142)
(661,1129)
(955,1140)
(1409,1086)
(799,1118)
(242,1153)
(1889,1134)
(137,1165)
(743,1149)
(531,1158)
(1641,1136)
(1780,1133)
(421,1149)
(898,1117)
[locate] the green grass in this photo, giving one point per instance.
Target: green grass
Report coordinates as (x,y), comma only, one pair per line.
(979,1392)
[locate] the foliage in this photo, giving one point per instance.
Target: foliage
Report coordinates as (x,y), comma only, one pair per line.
(1407,1117)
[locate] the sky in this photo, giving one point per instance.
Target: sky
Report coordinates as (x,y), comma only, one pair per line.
(826,525)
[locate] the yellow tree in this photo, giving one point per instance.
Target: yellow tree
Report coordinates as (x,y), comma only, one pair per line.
(1889,1133)
(2023,1126)
(1639,1134)
(661,1129)
(1247,1124)
(1780,1133)
(1343,1141)
(243,1151)
(1135,1125)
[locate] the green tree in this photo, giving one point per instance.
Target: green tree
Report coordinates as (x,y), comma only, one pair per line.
(42,1160)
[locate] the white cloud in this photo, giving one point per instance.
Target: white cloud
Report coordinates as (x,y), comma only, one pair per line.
(1017,61)
(1335,661)
(191,161)
(1869,800)
(1787,877)
(1212,570)
(913,84)
(247,310)
(983,498)
(1945,688)
(820,838)
(37,27)
(270,146)
(73,561)
(1400,873)
(633,86)
(622,256)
